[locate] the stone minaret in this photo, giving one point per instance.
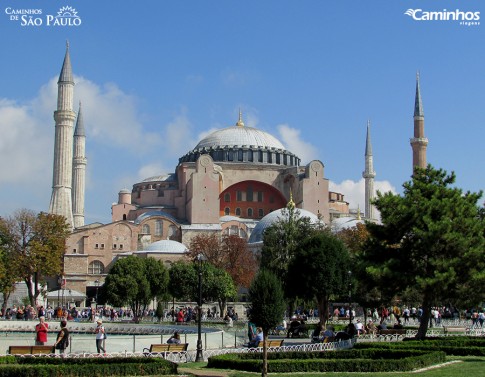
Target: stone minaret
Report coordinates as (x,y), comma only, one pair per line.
(79,171)
(369,175)
(419,142)
(64,117)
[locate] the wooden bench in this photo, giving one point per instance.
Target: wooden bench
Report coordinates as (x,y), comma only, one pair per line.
(31,350)
(163,349)
(392,332)
(455,329)
(272,343)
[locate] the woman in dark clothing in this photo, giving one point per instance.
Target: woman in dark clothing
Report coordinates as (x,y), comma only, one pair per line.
(62,341)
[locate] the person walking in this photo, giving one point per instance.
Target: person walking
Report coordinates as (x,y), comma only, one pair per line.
(62,341)
(41,332)
(100,336)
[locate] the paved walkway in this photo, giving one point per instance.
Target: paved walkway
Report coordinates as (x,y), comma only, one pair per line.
(202,372)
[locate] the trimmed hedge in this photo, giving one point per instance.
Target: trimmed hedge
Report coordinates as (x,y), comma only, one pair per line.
(457,346)
(367,360)
(84,367)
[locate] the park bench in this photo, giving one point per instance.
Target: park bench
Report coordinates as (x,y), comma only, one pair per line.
(31,350)
(163,349)
(455,329)
(392,332)
(272,343)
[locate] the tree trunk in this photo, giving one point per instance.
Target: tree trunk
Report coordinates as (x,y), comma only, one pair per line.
(30,284)
(264,371)
(323,312)
(423,325)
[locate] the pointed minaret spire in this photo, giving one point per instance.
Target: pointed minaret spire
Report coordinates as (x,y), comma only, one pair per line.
(66,71)
(418,104)
(369,175)
(419,142)
(79,162)
(64,116)
(240,122)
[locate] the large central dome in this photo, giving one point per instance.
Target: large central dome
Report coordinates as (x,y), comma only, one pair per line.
(240,144)
(237,135)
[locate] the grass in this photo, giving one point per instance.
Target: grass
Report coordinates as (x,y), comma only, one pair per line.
(468,366)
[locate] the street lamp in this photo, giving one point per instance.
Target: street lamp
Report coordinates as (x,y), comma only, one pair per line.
(199,356)
(96,283)
(350,297)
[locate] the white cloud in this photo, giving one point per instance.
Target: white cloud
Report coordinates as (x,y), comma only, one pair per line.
(291,138)
(354,192)
(178,138)
(25,143)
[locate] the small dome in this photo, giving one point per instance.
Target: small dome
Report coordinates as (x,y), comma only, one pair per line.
(341,223)
(275,216)
(167,246)
(237,135)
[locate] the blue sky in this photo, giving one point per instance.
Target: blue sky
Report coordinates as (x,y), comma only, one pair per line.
(154,77)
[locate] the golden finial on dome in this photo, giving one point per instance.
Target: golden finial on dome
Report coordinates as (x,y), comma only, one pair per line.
(291,203)
(240,122)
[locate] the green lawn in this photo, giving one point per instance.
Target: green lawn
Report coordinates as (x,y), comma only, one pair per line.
(468,366)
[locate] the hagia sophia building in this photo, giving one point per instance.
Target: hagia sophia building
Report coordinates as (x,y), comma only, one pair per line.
(234,181)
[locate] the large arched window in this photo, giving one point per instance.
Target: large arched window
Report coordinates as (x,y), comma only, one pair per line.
(145,229)
(96,268)
(158,227)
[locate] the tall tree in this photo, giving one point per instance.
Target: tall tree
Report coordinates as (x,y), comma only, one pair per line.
(36,244)
(320,271)
(217,284)
(282,240)
(366,293)
(267,306)
(229,253)
(135,282)
(431,238)
(8,275)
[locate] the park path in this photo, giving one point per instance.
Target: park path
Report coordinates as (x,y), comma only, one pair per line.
(202,372)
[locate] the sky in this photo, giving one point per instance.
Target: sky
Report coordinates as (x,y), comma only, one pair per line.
(154,77)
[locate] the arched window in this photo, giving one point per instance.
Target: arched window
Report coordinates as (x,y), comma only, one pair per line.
(145,229)
(227,197)
(96,268)
(260,212)
(172,231)
(250,212)
(238,211)
(226,211)
(158,227)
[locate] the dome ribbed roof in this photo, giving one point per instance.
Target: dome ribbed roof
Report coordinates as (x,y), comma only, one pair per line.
(237,135)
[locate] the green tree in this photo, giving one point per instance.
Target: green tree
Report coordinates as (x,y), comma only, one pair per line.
(35,245)
(282,240)
(8,275)
(320,270)
(134,282)
(267,306)
(431,238)
(217,284)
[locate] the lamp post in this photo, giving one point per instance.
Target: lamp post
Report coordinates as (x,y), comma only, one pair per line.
(199,356)
(96,283)
(350,297)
